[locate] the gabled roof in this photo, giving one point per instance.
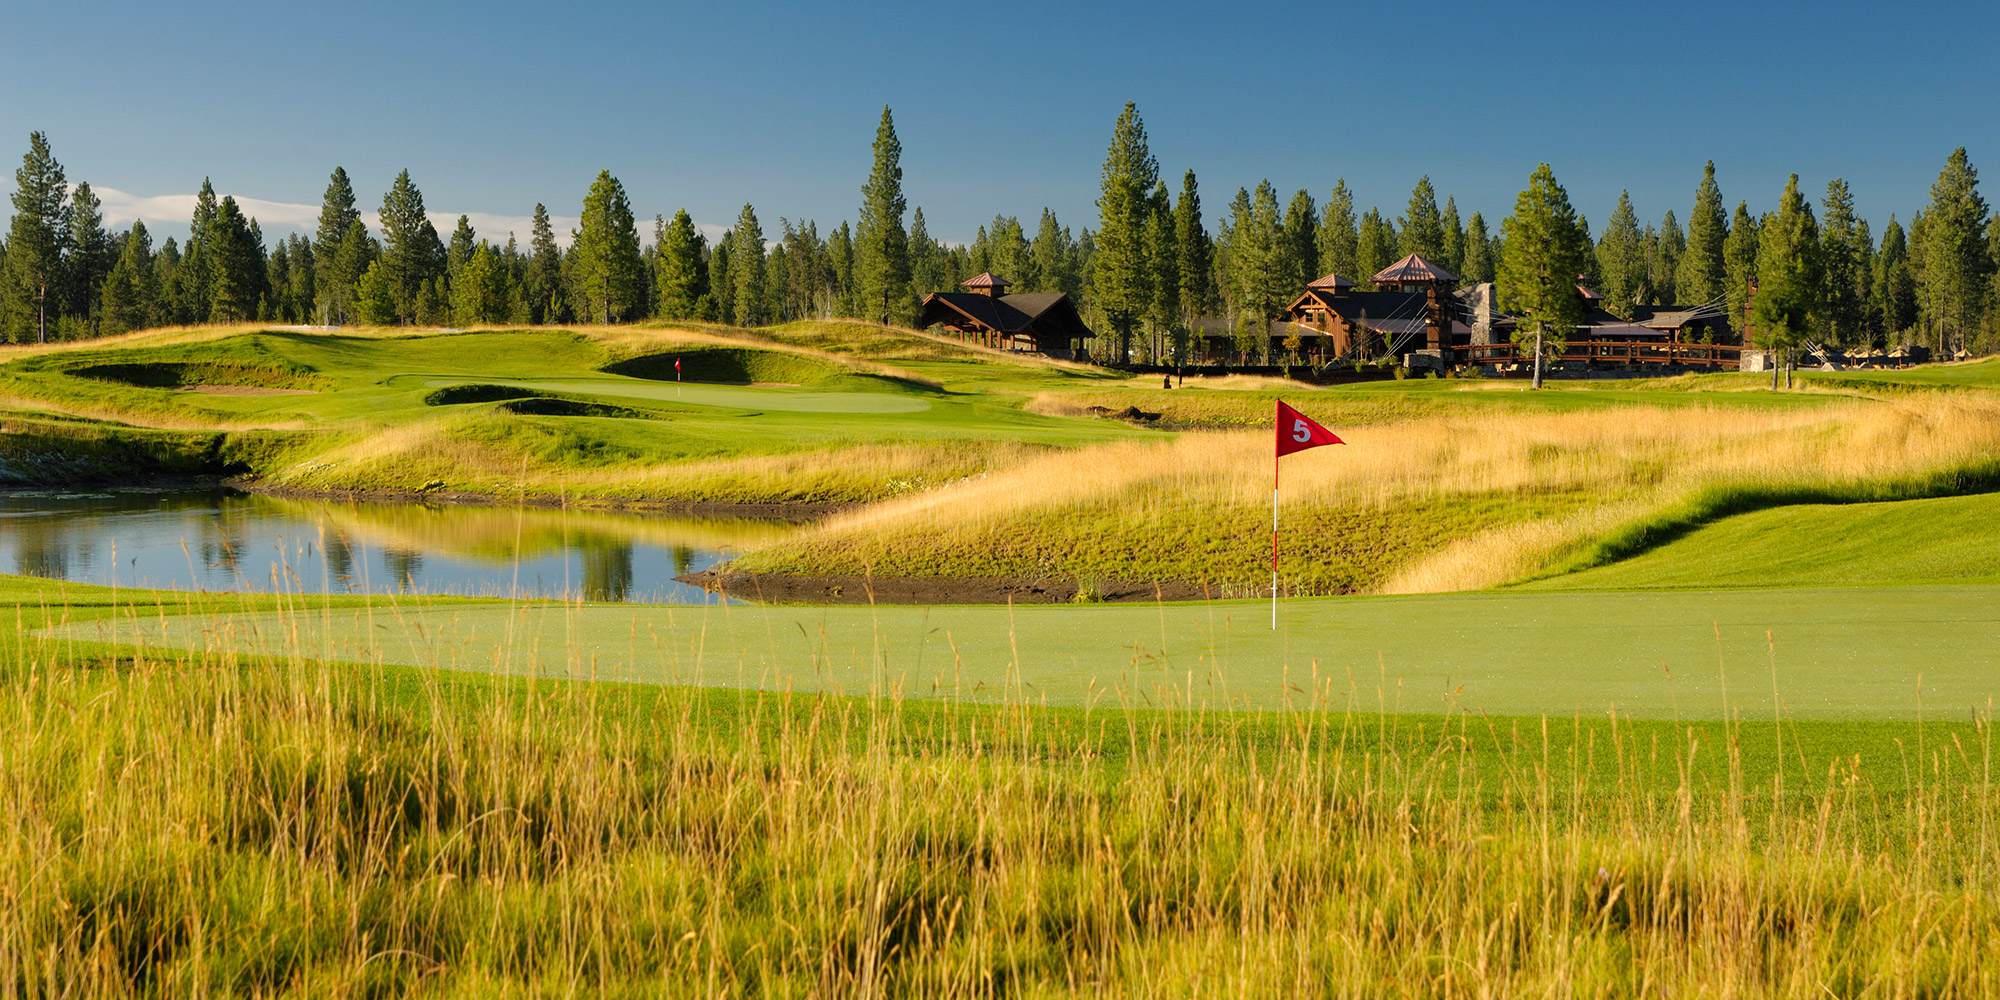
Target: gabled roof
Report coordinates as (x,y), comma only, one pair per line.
(1006,314)
(1354,306)
(985,279)
(1674,317)
(1413,268)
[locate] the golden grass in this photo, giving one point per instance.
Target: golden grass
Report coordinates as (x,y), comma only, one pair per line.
(211,824)
(1622,463)
(466,451)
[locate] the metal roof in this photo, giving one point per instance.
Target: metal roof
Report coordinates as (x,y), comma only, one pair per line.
(1413,268)
(985,279)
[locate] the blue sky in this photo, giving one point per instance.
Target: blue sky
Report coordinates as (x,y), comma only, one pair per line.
(1001,108)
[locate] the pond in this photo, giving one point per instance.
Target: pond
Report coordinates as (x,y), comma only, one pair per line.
(222,539)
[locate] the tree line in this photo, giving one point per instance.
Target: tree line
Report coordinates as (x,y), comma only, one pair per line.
(1150,277)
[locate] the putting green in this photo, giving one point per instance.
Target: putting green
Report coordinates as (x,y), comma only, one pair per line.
(739,397)
(1840,653)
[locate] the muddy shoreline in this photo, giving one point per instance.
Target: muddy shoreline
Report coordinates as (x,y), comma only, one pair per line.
(795,513)
(834,588)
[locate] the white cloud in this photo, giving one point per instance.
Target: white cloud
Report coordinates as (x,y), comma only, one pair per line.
(174,210)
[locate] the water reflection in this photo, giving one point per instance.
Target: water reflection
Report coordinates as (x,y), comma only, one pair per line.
(225,540)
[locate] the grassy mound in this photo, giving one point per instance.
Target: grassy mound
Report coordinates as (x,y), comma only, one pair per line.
(182,374)
(1895,542)
(729,364)
(475,392)
(870,341)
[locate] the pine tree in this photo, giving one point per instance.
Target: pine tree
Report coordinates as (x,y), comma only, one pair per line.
(1196,266)
(881,247)
(545,272)
(746,268)
(237,270)
(1374,248)
(1120,286)
(1621,258)
(166,277)
(1261,257)
(1739,261)
(37,243)
(458,252)
(1843,292)
(1895,281)
(1955,258)
(1423,226)
(195,278)
(131,291)
(1543,251)
(840,260)
(607,278)
(1338,237)
(92,254)
(927,261)
(1702,274)
(1663,258)
(682,275)
(340,266)
(412,254)
(1454,238)
(375,296)
(1789,276)
(1479,264)
(1300,237)
(479,295)
(1050,251)
(721,303)
(1163,253)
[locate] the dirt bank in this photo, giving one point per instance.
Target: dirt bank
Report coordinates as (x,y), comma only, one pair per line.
(797,513)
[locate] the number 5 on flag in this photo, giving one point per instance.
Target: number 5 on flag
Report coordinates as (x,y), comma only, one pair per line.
(1297,432)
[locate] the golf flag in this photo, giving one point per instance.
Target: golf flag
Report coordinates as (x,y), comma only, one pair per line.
(1297,432)
(677,366)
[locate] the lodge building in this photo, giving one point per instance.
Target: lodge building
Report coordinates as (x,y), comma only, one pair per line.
(1039,322)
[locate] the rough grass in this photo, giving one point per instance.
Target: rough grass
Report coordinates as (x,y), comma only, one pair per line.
(1439,504)
(220,823)
(1240,402)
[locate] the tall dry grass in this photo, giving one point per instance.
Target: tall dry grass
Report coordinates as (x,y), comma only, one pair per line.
(1608,467)
(207,824)
(502,457)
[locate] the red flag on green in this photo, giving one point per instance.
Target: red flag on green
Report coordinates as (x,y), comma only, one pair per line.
(1297,432)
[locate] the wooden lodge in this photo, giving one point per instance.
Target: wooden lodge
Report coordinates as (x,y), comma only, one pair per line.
(1416,314)
(1412,309)
(1035,322)
(1654,337)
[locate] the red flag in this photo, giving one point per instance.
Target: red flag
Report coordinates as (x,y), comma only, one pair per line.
(1297,432)
(677,364)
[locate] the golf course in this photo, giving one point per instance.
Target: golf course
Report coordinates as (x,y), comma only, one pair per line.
(1682,683)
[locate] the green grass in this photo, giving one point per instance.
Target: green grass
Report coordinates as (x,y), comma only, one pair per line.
(230,822)
(1838,654)
(1908,541)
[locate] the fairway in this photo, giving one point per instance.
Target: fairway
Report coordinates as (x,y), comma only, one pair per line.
(1840,653)
(706,394)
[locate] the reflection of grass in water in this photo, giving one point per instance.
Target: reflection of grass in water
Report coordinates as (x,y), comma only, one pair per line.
(269,824)
(497,534)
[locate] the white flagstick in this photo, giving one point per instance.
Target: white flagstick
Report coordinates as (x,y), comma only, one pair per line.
(1274,543)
